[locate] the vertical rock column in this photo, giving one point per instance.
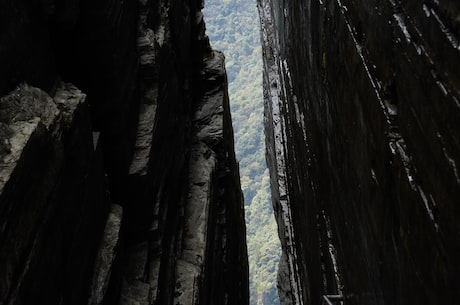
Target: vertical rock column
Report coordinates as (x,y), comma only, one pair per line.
(212,266)
(183,234)
(289,283)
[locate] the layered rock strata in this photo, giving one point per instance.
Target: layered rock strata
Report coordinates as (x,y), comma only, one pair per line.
(119,185)
(362,111)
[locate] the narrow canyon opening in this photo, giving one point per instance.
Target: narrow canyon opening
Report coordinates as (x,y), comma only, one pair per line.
(233,28)
(119,182)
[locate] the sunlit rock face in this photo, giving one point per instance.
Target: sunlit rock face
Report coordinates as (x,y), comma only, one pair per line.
(118,179)
(362,125)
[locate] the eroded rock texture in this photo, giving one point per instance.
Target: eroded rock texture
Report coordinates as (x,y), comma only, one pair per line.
(363,135)
(118,179)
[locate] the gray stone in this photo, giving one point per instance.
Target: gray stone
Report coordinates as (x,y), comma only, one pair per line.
(106,255)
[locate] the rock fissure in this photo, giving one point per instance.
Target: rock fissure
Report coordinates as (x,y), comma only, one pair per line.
(118,178)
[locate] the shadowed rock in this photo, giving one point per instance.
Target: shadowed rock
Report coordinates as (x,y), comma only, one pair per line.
(362,111)
(125,190)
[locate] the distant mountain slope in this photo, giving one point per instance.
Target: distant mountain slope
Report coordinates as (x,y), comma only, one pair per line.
(233,27)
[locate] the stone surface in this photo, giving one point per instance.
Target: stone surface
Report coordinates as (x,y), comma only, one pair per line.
(51,194)
(106,256)
(362,111)
(151,133)
(212,235)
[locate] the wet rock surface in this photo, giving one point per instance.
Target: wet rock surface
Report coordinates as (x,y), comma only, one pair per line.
(119,185)
(362,111)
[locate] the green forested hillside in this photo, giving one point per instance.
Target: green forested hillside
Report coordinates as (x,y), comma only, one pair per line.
(233,28)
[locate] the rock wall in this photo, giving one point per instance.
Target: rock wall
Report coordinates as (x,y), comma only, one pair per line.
(362,111)
(118,179)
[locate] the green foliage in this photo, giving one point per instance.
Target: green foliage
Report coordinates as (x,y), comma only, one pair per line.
(233,27)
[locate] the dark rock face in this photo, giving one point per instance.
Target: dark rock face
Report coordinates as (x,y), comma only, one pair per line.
(124,190)
(362,125)
(52,197)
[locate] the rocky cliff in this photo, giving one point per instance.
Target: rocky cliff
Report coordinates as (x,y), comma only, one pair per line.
(118,179)
(362,127)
